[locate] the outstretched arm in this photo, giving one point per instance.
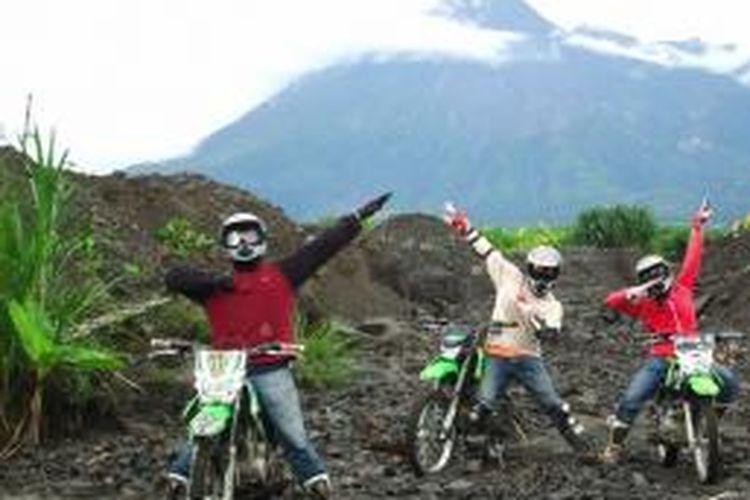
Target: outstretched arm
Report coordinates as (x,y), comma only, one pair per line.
(626,301)
(299,266)
(691,262)
(195,284)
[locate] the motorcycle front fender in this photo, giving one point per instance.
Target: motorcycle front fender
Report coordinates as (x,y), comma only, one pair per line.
(211,420)
(704,386)
(439,369)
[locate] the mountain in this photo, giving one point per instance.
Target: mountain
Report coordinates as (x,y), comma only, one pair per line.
(563,121)
(507,15)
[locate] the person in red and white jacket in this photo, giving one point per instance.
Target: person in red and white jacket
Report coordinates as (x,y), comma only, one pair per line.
(525,311)
(255,305)
(665,306)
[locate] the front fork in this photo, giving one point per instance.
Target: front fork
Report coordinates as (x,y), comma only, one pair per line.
(230,474)
(687,411)
(450,417)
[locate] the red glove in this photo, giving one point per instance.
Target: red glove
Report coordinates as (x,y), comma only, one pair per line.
(457,219)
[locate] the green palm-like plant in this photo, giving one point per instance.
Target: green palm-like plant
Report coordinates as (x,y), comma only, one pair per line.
(36,333)
(45,290)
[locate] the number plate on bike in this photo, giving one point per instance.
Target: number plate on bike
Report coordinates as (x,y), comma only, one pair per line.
(694,355)
(219,375)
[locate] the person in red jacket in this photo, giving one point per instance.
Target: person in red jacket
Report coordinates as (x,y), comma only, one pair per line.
(664,304)
(254,306)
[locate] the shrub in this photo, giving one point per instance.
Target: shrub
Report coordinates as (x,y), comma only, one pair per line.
(183,239)
(525,238)
(671,241)
(328,359)
(615,227)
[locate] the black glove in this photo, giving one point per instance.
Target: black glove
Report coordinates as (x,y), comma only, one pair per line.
(371,207)
(547,334)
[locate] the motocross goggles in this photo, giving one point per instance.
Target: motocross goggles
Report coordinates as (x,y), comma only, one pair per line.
(660,271)
(243,234)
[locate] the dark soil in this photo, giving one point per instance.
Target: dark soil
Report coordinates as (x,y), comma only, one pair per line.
(408,270)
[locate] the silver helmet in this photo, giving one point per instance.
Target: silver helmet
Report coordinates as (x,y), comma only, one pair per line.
(657,269)
(542,268)
(244,236)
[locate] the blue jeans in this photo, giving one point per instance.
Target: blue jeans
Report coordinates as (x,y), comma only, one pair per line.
(647,380)
(279,399)
(530,372)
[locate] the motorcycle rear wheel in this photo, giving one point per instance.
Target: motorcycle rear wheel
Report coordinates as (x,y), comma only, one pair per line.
(430,447)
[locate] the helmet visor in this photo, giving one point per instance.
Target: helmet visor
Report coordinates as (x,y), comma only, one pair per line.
(546,274)
(238,237)
(653,273)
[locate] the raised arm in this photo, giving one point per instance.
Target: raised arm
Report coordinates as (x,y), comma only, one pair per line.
(299,266)
(691,262)
(498,266)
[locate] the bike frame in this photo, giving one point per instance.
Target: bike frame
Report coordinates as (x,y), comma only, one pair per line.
(448,364)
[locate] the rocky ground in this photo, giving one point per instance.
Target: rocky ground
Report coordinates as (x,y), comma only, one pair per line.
(398,275)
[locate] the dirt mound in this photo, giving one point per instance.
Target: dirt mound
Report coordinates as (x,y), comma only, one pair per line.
(421,259)
(725,283)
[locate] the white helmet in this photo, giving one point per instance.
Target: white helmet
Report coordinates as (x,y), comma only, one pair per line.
(654,267)
(244,235)
(542,268)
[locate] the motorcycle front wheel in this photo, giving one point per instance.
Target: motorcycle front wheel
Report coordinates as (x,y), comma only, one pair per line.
(207,479)
(430,446)
(705,448)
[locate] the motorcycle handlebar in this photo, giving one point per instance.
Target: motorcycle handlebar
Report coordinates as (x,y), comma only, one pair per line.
(657,338)
(172,346)
(277,349)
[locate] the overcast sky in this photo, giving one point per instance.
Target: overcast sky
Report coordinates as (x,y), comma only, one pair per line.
(124,81)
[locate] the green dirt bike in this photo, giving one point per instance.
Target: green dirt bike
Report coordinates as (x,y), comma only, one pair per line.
(231,447)
(441,419)
(687,396)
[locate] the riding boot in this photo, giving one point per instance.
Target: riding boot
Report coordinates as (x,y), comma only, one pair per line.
(618,432)
(319,487)
(479,416)
(574,437)
(572,431)
(173,486)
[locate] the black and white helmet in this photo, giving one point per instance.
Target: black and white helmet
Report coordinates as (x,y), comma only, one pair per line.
(654,268)
(542,268)
(244,236)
